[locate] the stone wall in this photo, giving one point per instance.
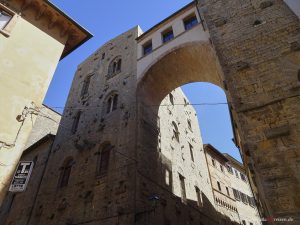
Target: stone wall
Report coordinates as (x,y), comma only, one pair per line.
(258,43)
(47,122)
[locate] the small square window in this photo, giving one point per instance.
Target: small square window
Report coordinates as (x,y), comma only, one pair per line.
(167,35)
(190,22)
(147,48)
(5,17)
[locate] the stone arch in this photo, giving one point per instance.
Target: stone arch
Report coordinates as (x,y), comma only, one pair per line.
(187,63)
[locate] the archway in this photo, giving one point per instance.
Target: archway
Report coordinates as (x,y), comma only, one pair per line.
(192,62)
(188,63)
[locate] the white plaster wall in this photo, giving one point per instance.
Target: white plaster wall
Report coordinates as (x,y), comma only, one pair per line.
(181,36)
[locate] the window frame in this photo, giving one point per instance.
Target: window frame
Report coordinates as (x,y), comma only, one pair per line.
(182,188)
(112,103)
(191,147)
(65,172)
(213,162)
(114,67)
(147,45)
(104,153)
(7,29)
(167,35)
(199,196)
(176,132)
(86,85)
(219,186)
(188,23)
(76,121)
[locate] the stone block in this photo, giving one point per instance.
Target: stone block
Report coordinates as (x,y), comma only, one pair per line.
(283,130)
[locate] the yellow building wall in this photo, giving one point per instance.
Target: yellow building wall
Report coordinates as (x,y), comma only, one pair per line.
(28,59)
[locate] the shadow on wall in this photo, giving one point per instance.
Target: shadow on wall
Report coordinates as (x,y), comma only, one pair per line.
(164,208)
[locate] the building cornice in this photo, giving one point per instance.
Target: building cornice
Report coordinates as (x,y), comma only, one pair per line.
(41,11)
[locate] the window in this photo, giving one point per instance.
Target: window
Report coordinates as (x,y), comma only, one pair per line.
(4,18)
(190,22)
(227,190)
(65,172)
(243,177)
(103,160)
(182,187)
(229,169)
(191,152)
(236,173)
(85,86)
(199,197)
(213,162)
(168,177)
(244,198)
(189,124)
(221,168)
(236,194)
(244,222)
(219,186)
(185,102)
(112,103)
(114,66)
(167,35)
(175,131)
(171,97)
(147,48)
(76,122)
(103,56)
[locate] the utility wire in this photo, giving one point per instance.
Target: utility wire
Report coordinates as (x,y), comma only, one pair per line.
(88,107)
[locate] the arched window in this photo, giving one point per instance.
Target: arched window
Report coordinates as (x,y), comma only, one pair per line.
(115,66)
(103,160)
(65,172)
(112,103)
(175,131)
(85,86)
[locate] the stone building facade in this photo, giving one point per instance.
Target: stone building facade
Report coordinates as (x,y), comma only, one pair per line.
(242,191)
(34,36)
(221,184)
(232,191)
(111,168)
(92,173)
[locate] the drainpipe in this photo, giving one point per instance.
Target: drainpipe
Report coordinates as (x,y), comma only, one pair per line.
(200,15)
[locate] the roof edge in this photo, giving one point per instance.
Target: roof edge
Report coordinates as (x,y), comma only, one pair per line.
(165,20)
(216,151)
(39,142)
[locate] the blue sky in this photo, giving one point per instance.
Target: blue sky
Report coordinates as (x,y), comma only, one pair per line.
(106,20)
